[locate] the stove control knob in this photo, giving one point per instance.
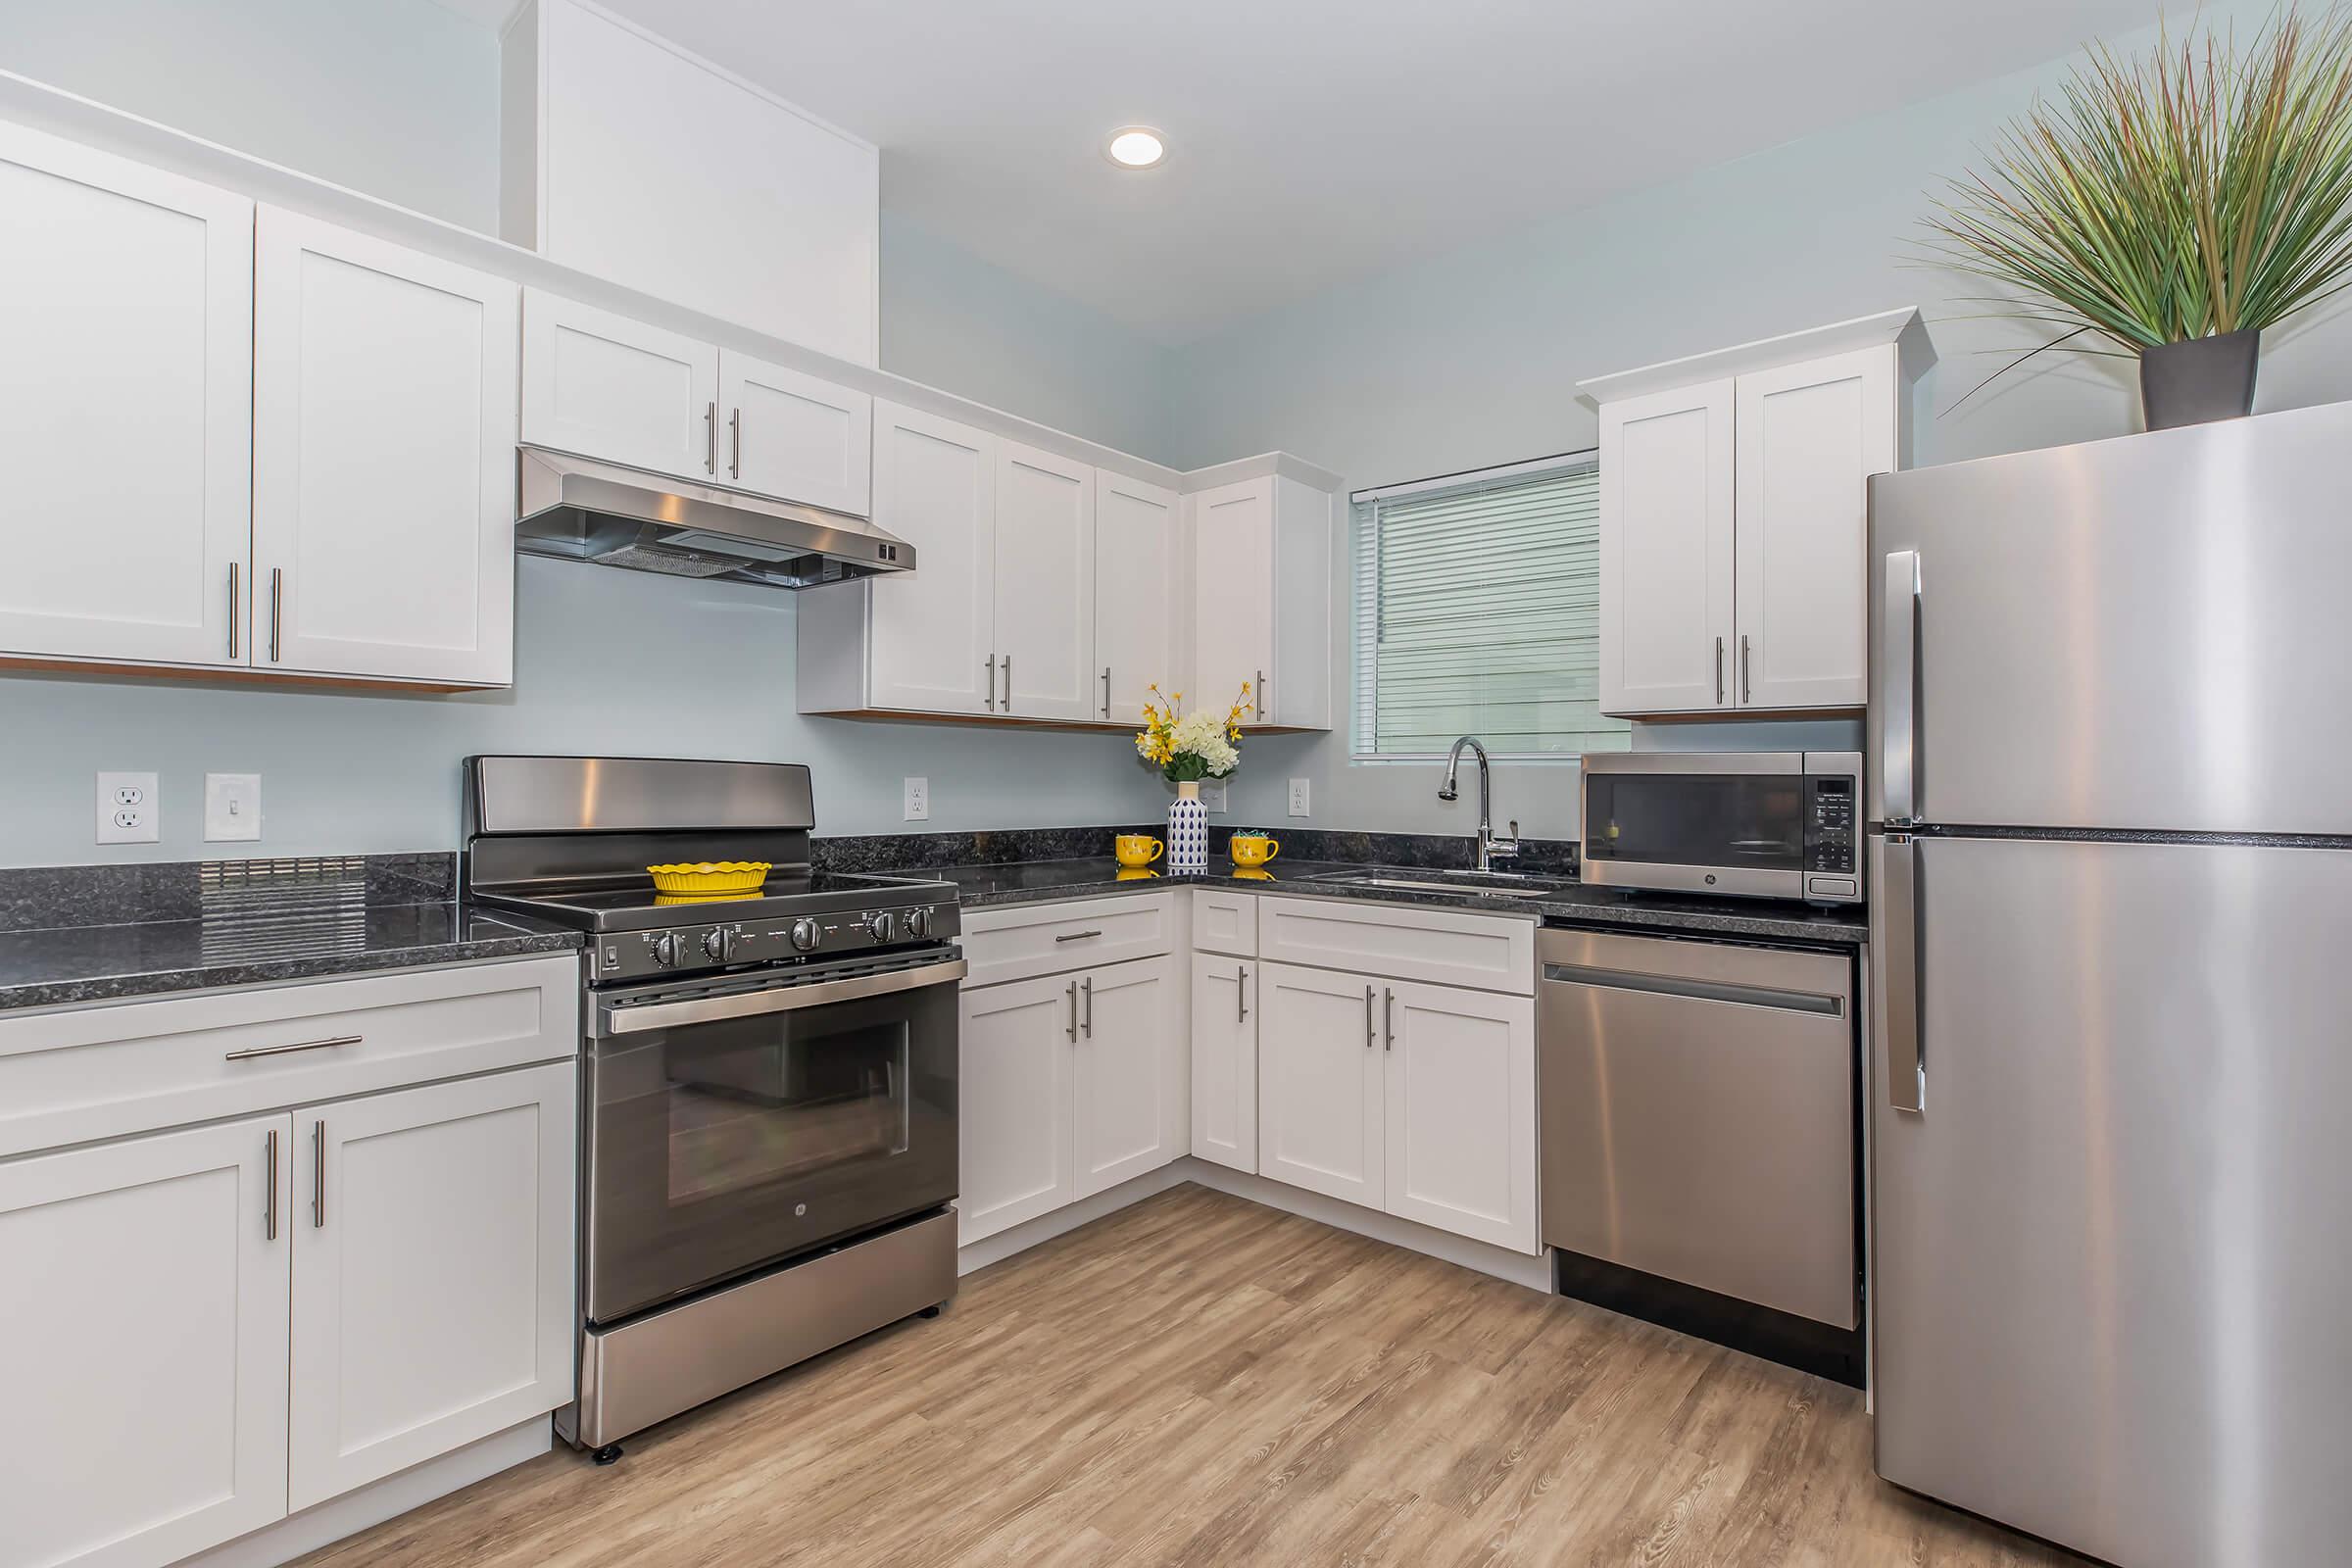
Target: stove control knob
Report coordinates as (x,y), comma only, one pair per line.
(918,923)
(804,934)
(666,948)
(882,925)
(718,943)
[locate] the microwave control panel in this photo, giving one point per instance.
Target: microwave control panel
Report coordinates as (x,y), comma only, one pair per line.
(1833,838)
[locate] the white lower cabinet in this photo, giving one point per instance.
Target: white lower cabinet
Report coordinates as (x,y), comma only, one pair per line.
(143,1346)
(1462,1111)
(432,1272)
(1225,1060)
(1071,1084)
(1321,1089)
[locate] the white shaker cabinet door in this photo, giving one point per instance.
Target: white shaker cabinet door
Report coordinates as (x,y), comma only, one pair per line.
(433,1271)
(1462,1111)
(1321,1086)
(1135,594)
(143,1346)
(929,630)
(1810,437)
(1666,524)
(1225,1060)
(383,534)
(603,386)
(1233,595)
(125,410)
(791,435)
(1045,568)
(1013,1089)
(1128,1082)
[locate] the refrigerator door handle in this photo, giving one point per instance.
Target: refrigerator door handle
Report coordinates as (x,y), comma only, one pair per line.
(1894,957)
(1900,698)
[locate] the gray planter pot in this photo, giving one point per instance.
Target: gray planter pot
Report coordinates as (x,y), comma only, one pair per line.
(2202,379)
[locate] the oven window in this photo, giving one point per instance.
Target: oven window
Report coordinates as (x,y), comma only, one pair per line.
(747,1109)
(1751,822)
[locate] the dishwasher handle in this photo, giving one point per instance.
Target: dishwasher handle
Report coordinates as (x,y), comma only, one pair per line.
(1696,990)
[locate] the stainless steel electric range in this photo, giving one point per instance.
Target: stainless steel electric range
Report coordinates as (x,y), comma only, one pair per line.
(769,1101)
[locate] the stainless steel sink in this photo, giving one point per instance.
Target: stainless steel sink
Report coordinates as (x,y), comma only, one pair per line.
(1483,883)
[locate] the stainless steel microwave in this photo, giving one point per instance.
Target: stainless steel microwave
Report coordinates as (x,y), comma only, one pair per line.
(1752,824)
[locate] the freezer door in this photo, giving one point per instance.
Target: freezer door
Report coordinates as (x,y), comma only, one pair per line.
(2138,633)
(2112,1252)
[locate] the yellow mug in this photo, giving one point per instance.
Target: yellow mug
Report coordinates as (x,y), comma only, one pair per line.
(1254,848)
(1135,851)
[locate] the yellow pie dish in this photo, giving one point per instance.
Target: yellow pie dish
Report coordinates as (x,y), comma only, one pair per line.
(709,878)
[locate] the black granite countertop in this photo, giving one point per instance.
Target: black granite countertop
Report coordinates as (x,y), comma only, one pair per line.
(1562,900)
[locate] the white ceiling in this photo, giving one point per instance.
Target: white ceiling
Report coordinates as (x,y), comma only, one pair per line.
(1311,140)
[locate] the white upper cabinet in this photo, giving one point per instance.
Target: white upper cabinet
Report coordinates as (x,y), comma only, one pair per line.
(1261,586)
(604,386)
(432,1233)
(1666,574)
(125,413)
(143,1346)
(932,630)
(1810,435)
(384,468)
(628,157)
(1135,591)
(1045,584)
(1734,509)
(791,435)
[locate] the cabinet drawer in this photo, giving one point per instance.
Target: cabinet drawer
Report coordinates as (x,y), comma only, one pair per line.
(1225,922)
(1033,939)
(68,1077)
(1490,953)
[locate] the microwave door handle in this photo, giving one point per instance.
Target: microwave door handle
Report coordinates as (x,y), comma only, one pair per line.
(1894,960)
(1899,695)
(629,1020)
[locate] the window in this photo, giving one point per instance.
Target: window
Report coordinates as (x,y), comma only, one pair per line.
(1478,613)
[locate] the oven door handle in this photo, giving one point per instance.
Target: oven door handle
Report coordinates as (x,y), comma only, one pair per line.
(627,1021)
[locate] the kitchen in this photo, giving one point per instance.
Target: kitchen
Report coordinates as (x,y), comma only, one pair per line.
(1382,1287)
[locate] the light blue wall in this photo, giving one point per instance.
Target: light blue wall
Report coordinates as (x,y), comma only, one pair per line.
(1471,359)
(399,98)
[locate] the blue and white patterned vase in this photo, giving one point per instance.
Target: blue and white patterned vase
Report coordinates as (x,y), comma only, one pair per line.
(1188,830)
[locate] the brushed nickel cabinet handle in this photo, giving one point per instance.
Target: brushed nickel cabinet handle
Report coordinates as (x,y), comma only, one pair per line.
(235,610)
(1086,989)
(1388,1019)
(1370,1033)
(1748,689)
(1077,935)
(1006,661)
(270,1211)
(252,1052)
(317,1175)
(710,438)
(1718,673)
(1257,695)
(277,608)
(1072,988)
(1241,993)
(989,666)
(735,443)
(1105,690)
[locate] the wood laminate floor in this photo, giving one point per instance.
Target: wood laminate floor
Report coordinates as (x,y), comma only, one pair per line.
(1199,1380)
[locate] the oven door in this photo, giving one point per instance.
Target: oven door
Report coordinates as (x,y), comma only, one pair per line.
(1697,822)
(730,1129)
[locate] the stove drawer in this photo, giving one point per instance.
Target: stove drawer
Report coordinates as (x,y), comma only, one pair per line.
(1016,941)
(73,1075)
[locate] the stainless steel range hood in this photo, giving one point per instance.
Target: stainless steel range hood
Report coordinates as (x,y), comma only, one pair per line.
(581,509)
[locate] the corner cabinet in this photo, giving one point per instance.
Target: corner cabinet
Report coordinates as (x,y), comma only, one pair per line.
(1734,509)
(1261,590)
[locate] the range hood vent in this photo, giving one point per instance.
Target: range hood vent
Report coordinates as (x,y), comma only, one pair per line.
(577,509)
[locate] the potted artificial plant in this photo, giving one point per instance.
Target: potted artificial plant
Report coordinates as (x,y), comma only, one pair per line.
(2173,206)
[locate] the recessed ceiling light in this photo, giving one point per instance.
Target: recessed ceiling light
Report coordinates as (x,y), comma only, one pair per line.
(1136,147)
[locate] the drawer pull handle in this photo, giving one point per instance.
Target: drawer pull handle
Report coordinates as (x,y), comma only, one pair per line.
(317,1175)
(280,1051)
(269,1212)
(1076,936)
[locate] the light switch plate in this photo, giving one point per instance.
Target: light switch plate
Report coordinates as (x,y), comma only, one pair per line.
(129,809)
(918,800)
(1297,797)
(1213,794)
(232,806)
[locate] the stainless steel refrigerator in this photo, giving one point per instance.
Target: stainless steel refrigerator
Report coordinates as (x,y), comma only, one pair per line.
(2110,789)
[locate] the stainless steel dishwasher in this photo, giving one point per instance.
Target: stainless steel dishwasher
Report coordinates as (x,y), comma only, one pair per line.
(1699,1115)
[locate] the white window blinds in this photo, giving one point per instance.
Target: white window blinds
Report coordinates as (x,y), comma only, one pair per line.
(1477,612)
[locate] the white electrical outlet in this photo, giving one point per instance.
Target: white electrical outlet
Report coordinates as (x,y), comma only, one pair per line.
(1213,794)
(1297,797)
(129,809)
(918,800)
(232,806)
